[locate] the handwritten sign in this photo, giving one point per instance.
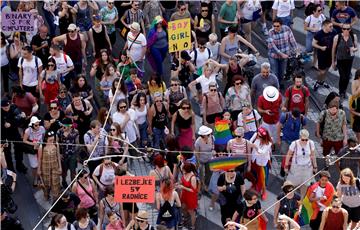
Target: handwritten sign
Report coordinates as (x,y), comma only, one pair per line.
(17,21)
(179,35)
(135,189)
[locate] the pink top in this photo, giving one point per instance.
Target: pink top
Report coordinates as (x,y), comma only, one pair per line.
(85,200)
(117,226)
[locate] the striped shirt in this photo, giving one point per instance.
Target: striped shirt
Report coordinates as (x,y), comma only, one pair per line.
(136,49)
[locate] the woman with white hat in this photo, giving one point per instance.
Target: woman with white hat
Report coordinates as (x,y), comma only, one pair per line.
(32,138)
(140,222)
(204,151)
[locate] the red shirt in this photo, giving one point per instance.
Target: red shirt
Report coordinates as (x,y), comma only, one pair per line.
(25,104)
(274,107)
(297,99)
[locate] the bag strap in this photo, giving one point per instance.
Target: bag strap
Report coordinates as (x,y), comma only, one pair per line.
(83,188)
(133,41)
(253,112)
(112,208)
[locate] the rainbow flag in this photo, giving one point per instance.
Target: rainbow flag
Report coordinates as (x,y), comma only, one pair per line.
(309,210)
(226,163)
(262,223)
(222,132)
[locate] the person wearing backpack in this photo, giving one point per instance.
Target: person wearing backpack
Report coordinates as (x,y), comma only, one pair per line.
(348,188)
(30,68)
(343,52)
(64,65)
(104,175)
(200,55)
(168,202)
(297,96)
(59,222)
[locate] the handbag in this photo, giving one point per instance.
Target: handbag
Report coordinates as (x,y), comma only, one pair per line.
(29,149)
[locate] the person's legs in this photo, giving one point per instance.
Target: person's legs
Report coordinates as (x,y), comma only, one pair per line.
(281,68)
(274,66)
(327,146)
(247,30)
(5,78)
(344,67)
(156,55)
(8,158)
(309,38)
(112,37)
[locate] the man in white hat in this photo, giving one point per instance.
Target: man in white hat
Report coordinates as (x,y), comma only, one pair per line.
(136,45)
(269,107)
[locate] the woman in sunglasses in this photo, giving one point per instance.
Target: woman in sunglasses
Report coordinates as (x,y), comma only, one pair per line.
(348,188)
(50,169)
(231,188)
(85,189)
(175,94)
(260,162)
(303,163)
(50,82)
(334,217)
(213,105)
(117,144)
(53,118)
(184,122)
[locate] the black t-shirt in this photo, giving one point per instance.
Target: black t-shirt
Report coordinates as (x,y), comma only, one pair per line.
(325,39)
(68,208)
(288,206)
(43,53)
(168,4)
(248,212)
(232,191)
(84,91)
(56,125)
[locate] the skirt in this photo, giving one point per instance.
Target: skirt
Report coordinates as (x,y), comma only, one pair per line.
(50,91)
(185,137)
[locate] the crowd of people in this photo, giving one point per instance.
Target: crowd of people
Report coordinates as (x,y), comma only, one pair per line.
(82,112)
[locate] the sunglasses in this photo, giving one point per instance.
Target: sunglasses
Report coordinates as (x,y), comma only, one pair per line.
(36,125)
(213,90)
(85,177)
(136,5)
(303,151)
(182,9)
(110,3)
(204,10)
(231,171)
(185,108)
(51,65)
(201,47)
(203,136)
(112,129)
(158,101)
(237,136)
(50,134)
(122,107)
(237,83)
(53,108)
(140,221)
(276,25)
(334,206)
(174,84)
(304,140)
(346,28)
(71,31)
(319,10)
(62,91)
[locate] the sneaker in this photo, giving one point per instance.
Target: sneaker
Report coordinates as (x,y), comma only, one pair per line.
(316,86)
(325,85)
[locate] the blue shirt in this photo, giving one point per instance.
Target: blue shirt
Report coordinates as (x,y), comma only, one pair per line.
(291,127)
(343,16)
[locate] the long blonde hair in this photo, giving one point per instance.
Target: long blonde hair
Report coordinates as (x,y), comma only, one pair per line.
(347,172)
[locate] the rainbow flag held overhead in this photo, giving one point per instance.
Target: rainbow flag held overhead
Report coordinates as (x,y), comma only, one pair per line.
(226,163)
(222,132)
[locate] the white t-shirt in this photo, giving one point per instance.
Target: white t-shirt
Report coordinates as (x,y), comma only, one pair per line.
(61,64)
(283,7)
(107,175)
(4,57)
(302,154)
(201,58)
(315,22)
(249,8)
(130,128)
(204,82)
(320,192)
(64,228)
(30,73)
(262,155)
(136,48)
(248,122)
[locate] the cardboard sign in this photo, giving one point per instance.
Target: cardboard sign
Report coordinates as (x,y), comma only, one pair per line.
(135,189)
(179,32)
(17,21)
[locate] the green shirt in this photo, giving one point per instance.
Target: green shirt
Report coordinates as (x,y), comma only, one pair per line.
(228,13)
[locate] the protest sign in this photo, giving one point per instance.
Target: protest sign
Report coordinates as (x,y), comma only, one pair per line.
(136,189)
(179,33)
(17,21)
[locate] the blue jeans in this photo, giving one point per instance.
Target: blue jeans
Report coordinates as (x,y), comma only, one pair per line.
(286,20)
(159,55)
(143,134)
(309,38)
(158,135)
(278,67)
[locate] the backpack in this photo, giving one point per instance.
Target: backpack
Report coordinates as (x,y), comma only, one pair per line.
(341,37)
(206,98)
(301,118)
(290,94)
(195,54)
(166,211)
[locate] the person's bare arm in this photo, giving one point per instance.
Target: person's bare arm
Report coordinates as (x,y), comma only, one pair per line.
(91,36)
(346,216)
(58,39)
(323,219)
(93,5)
(213,28)
(248,44)
(173,120)
(333,51)
(83,48)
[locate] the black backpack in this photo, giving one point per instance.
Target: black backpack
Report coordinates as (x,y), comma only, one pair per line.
(166,211)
